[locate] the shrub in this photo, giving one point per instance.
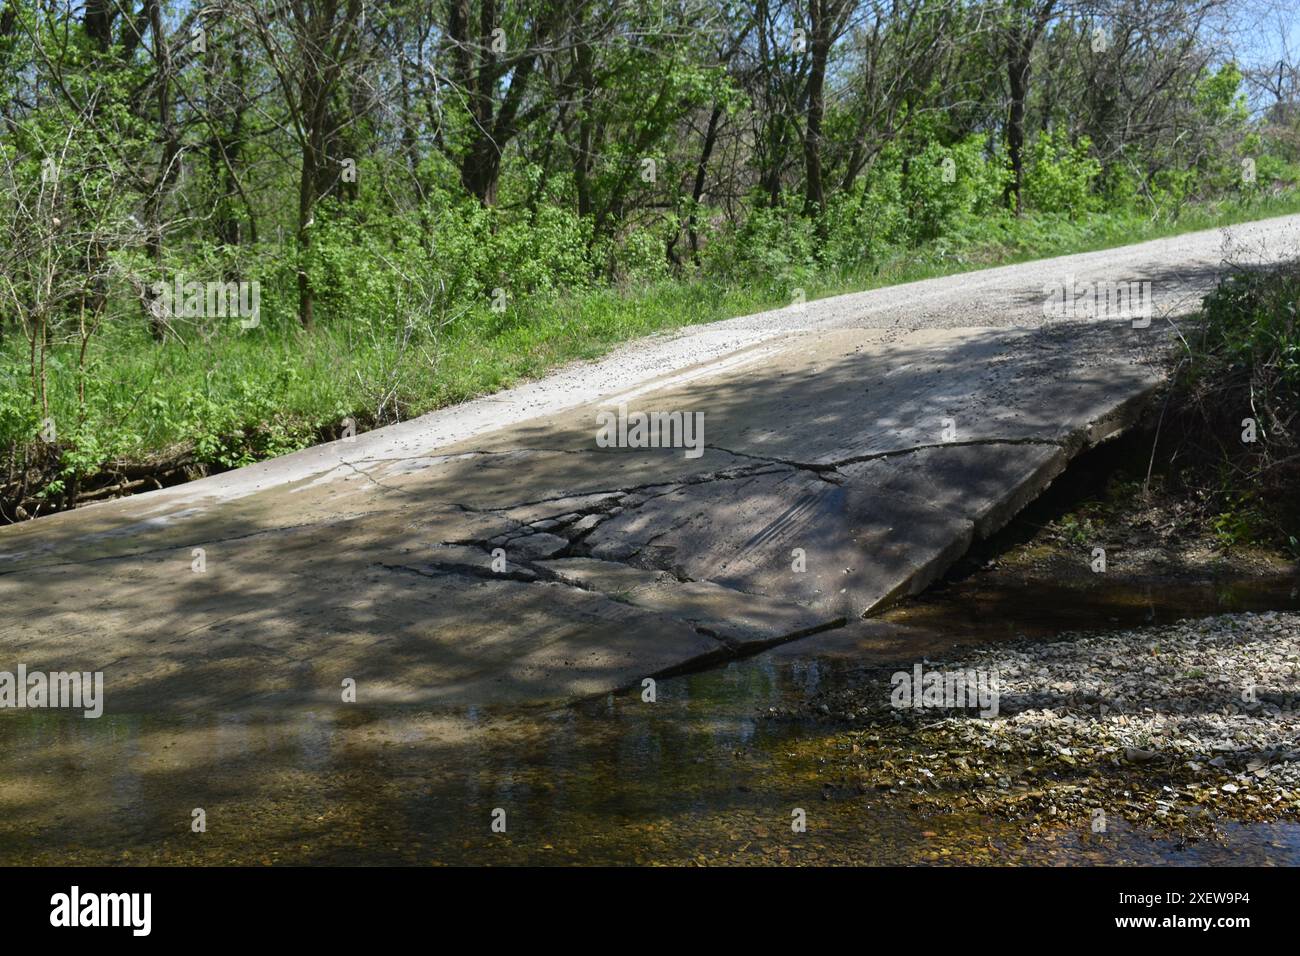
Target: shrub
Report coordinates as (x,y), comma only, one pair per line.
(1245,364)
(944,185)
(1059,175)
(774,248)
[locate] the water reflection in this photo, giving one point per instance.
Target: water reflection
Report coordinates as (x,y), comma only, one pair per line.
(699,776)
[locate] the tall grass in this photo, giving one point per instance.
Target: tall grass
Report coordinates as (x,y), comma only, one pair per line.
(234,396)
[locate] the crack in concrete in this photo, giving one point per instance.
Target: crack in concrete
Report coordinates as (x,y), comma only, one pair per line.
(375,481)
(725,474)
(466,570)
(823,469)
(728,647)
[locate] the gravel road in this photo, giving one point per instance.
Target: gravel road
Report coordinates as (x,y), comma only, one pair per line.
(1181,269)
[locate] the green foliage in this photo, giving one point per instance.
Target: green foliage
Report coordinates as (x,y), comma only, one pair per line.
(1241,523)
(544,255)
(18,417)
(1252,323)
(864,223)
(1079,532)
(641,257)
(1060,175)
(238,421)
(773,248)
(367,267)
(946,186)
(1244,366)
(356,266)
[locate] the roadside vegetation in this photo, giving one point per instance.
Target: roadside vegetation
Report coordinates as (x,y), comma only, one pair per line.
(425,214)
(1236,408)
(1203,492)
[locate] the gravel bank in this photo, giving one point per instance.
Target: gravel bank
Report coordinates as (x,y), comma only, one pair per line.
(1174,726)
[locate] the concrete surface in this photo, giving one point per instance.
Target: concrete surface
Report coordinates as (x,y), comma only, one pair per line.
(493,553)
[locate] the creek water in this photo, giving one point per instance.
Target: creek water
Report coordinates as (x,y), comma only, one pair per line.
(701,775)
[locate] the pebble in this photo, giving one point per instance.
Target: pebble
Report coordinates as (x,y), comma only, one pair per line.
(1157,723)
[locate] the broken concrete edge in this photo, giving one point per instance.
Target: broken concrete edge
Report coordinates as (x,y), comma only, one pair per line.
(529,571)
(727,653)
(924,576)
(1097,432)
(981,527)
(749,648)
(1116,421)
(998,515)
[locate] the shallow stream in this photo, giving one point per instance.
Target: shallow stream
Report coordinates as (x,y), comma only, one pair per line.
(698,776)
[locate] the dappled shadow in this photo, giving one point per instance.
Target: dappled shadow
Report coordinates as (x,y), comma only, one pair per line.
(331,578)
(302,586)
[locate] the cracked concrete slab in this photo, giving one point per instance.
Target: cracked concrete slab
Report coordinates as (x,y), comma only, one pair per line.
(532,545)
(879,525)
(840,548)
(986,483)
(852,453)
(468,559)
(284,618)
(740,620)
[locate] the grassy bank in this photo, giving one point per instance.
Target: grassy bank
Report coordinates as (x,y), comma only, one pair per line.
(1233,414)
(140,412)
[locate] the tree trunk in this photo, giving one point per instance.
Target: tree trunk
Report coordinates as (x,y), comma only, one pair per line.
(814,192)
(167,158)
(306,208)
(1018,77)
(701,172)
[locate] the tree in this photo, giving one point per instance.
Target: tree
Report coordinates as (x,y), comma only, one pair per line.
(317,56)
